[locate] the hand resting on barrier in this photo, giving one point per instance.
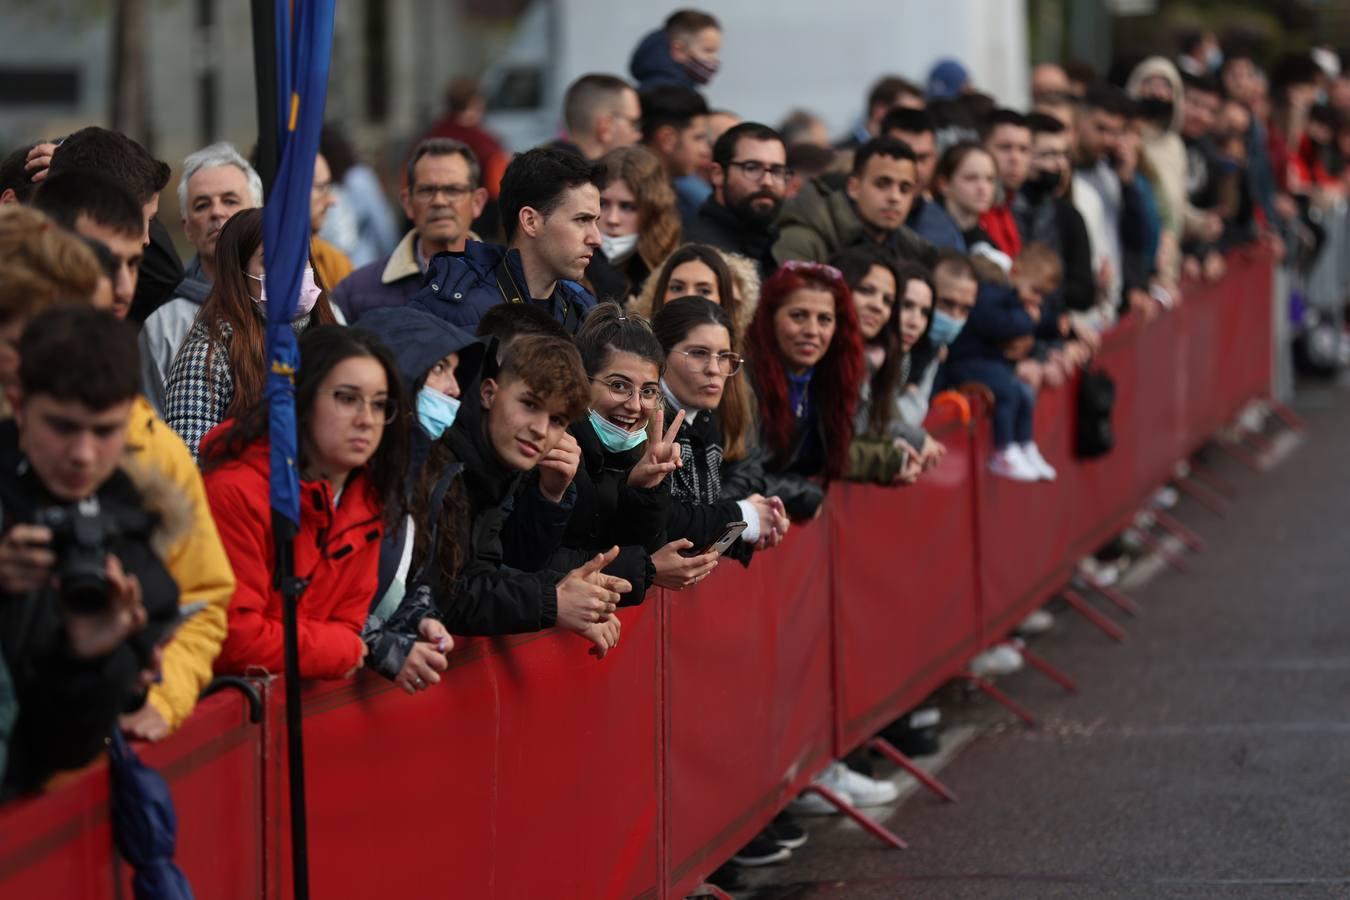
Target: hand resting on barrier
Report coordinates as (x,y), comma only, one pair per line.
(427,658)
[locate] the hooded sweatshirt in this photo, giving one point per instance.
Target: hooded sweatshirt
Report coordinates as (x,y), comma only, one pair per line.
(418,341)
(653,66)
(1166,152)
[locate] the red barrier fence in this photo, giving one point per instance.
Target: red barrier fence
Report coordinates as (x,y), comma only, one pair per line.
(538,770)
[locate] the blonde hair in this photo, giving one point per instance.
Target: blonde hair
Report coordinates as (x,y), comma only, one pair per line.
(41,264)
(658,221)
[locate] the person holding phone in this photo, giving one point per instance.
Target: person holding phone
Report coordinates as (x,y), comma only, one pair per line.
(628,452)
(703,370)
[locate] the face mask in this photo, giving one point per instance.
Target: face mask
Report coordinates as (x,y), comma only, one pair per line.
(1214,59)
(617,249)
(1156,110)
(944,328)
(309,293)
(1041,184)
(615,439)
(436,411)
(702,72)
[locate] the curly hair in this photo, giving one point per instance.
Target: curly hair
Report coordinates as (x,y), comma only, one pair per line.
(838,376)
(44,264)
(658,221)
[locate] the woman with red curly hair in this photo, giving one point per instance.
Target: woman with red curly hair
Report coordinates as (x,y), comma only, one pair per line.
(807,360)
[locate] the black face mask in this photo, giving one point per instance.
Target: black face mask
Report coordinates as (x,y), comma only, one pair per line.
(1155,110)
(1042,185)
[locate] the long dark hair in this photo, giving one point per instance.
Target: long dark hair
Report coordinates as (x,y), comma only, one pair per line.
(671,325)
(857,263)
(838,376)
(321,349)
(922,354)
(229,306)
(710,257)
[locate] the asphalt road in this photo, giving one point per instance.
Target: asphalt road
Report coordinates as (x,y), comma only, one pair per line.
(1207,756)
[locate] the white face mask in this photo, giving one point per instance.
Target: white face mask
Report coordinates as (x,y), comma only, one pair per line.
(617,249)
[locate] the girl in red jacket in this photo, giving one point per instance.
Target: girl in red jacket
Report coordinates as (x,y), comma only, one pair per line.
(353,451)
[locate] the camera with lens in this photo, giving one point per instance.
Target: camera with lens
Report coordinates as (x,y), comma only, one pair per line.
(81,533)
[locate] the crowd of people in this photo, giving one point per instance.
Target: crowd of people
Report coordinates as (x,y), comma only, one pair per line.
(592,369)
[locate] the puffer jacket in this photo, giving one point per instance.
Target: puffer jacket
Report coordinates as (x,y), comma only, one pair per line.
(196,560)
(821,221)
(461,287)
(337,554)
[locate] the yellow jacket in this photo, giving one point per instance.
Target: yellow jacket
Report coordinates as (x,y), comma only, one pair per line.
(197,562)
(330,263)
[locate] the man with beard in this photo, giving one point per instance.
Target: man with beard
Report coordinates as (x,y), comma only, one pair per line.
(444,194)
(750,178)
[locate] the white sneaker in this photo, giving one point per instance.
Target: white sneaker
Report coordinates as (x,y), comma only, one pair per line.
(1010,463)
(1038,622)
(1166,498)
(1104,574)
(867,791)
(815,805)
(1003,659)
(1032,454)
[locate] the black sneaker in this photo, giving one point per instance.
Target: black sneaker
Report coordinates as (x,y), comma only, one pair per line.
(786,832)
(916,734)
(728,877)
(762,851)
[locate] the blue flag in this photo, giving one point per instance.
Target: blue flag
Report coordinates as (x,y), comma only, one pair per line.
(303,51)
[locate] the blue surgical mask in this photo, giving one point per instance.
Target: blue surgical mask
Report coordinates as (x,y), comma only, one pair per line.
(615,439)
(944,328)
(436,411)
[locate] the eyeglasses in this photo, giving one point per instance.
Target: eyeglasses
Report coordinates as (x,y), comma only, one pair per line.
(453,192)
(820,270)
(649,396)
(350,403)
(755,170)
(698,358)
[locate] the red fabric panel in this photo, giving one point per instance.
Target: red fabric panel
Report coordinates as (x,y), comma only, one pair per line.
(748,698)
(530,771)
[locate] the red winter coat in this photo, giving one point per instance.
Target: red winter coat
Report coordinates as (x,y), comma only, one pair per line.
(337,553)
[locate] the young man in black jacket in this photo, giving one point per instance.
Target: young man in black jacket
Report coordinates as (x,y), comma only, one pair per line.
(85,600)
(511,421)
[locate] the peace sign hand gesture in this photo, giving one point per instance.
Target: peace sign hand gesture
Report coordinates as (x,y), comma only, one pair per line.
(663,452)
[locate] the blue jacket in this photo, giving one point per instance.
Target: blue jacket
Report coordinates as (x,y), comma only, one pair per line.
(652,65)
(930,221)
(998,317)
(460,287)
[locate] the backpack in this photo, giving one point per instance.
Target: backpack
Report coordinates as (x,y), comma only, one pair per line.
(1096,400)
